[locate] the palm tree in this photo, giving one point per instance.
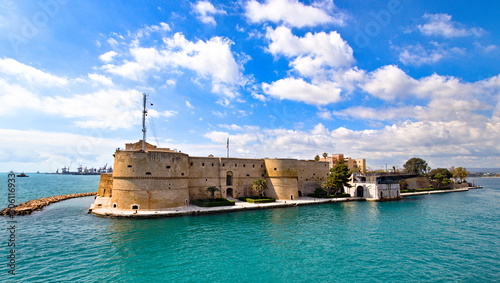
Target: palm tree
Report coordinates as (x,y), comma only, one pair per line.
(259,186)
(212,190)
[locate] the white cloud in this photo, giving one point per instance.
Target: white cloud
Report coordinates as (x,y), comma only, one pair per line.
(101,79)
(418,55)
(310,53)
(29,75)
(442,25)
(189,105)
(108,56)
(290,12)
(389,82)
(300,90)
(211,59)
(205,12)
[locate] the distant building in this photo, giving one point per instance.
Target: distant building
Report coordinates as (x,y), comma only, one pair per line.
(355,165)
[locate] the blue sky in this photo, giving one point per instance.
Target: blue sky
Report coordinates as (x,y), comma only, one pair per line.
(381,80)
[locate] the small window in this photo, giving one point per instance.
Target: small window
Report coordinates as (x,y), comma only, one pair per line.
(253,165)
(274,169)
(129,166)
(168,167)
(182,174)
(191,163)
(135,206)
(235,165)
(115,205)
(244,165)
(223,164)
(248,175)
(203,164)
(148,173)
(212,165)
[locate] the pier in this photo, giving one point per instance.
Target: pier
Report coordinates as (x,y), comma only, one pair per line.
(28,207)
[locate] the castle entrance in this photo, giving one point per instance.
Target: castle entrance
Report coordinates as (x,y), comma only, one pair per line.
(360,191)
(229,192)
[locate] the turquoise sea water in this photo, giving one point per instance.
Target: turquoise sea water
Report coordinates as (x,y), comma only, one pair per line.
(433,238)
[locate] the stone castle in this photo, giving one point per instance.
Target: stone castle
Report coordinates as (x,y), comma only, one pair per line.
(160,178)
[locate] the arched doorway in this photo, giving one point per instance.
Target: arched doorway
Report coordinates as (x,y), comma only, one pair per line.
(229,192)
(300,194)
(360,192)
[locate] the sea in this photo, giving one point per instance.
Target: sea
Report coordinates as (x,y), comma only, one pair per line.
(451,237)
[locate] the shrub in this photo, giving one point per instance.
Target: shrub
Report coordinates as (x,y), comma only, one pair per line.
(212,202)
(257,199)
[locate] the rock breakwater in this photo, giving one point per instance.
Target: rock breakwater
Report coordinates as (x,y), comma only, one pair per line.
(28,207)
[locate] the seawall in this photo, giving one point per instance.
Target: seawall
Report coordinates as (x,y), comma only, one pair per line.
(28,207)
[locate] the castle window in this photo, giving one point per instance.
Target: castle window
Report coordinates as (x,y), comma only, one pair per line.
(115,205)
(129,166)
(203,164)
(191,163)
(229,178)
(212,165)
(244,165)
(253,165)
(168,167)
(135,206)
(248,175)
(182,174)
(235,165)
(274,169)
(223,164)
(148,173)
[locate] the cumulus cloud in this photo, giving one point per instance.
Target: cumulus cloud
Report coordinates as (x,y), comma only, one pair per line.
(442,25)
(108,56)
(290,12)
(205,12)
(300,90)
(212,60)
(311,53)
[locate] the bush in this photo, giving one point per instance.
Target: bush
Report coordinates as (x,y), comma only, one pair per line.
(257,199)
(212,202)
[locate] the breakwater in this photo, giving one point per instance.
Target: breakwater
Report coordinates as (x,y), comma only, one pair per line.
(28,207)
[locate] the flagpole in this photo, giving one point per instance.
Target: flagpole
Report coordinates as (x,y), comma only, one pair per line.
(227,147)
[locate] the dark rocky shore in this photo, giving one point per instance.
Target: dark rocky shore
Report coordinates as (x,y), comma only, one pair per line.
(28,207)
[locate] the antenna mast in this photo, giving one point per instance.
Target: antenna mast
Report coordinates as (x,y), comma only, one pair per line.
(144,113)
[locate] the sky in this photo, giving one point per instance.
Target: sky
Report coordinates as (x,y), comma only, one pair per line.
(380,80)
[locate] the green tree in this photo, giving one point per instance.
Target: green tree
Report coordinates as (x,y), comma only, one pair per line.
(325,155)
(317,158)
(212,190)
(338,178)
(444,173)
(259,186)
(416,166)
(460,174)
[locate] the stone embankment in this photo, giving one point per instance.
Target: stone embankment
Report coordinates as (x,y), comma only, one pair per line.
(28,207)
